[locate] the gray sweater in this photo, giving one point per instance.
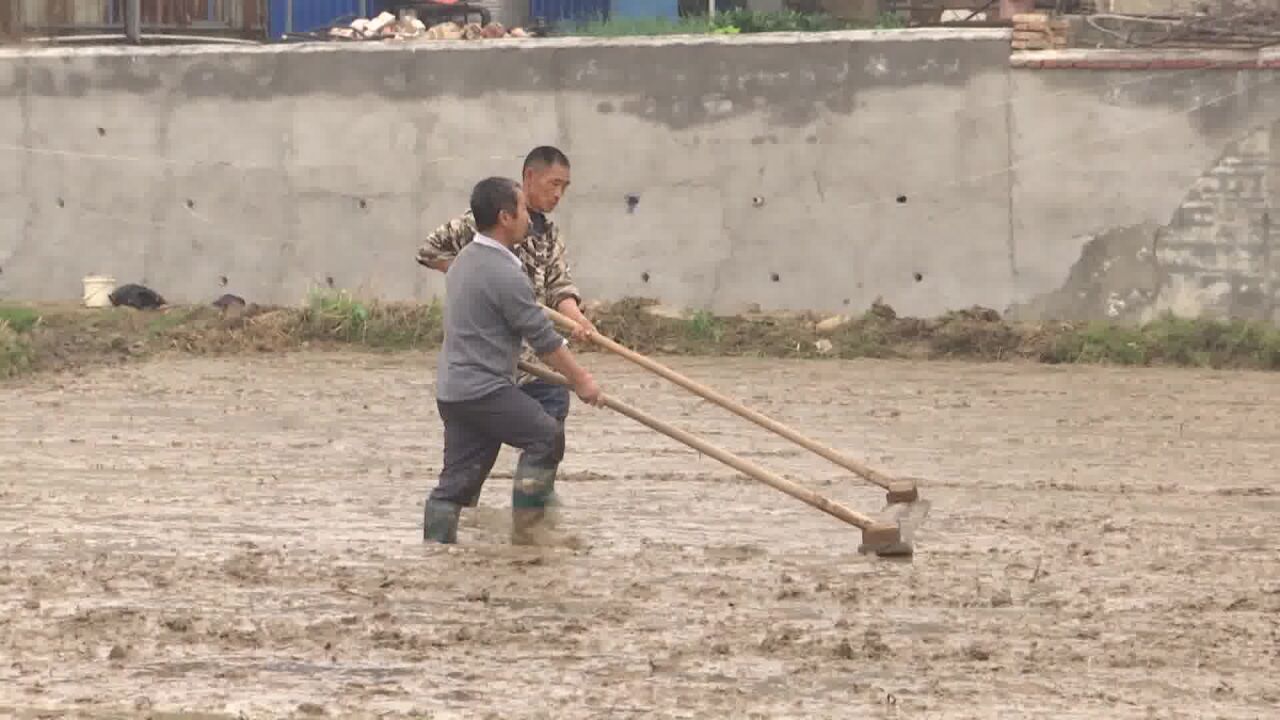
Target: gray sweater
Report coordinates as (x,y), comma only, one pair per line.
(489,308)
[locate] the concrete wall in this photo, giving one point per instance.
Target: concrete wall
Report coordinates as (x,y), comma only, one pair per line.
(789,172)
(1159,195)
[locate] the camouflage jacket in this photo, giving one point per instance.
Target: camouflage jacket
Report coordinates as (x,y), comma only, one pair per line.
(542,253)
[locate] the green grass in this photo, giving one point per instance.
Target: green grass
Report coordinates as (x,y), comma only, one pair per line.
(15,352)
(640,27)
(19,319)
(51,338)
(340,316)
(706,327)
(747,21)
(728,22)
(175,318)
(868,342)
(1171,340)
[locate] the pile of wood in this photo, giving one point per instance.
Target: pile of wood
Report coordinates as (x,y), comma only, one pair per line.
(387,27)
(1037,31)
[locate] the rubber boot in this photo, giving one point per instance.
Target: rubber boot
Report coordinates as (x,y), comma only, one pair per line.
(470,512)
(553,500)
(532,489)
(440,522)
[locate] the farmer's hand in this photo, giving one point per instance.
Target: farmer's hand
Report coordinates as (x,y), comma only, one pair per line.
(588,391)
(583,329)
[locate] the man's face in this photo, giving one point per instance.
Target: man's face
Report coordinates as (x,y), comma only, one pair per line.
(546,186)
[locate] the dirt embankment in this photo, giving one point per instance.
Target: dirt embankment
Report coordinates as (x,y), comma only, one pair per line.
(34,337)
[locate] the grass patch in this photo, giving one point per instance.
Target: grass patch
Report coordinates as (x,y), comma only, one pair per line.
(868,337)
(706,327)
(1099,343)
(1170,340)
(66,336)
(15,351)
(339,316)
(737,21)
(62,337)
(741,20)
(19,319)
(639,27)
(169,321)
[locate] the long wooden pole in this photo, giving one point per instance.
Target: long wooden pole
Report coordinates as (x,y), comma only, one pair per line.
(743,466)
(903,487)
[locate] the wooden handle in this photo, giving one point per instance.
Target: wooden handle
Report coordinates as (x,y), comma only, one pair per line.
(729,404)
(747,468)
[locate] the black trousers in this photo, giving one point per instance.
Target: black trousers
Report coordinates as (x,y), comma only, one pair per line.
(476,430)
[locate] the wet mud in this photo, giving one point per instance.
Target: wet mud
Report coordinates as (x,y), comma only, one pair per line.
(241,537)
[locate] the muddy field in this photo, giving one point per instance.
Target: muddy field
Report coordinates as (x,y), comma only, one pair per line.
(242,538)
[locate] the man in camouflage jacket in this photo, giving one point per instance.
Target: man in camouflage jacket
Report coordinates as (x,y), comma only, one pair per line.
(545,179)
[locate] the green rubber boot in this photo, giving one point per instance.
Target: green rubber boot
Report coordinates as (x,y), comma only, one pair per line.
(440,522)
(532,491)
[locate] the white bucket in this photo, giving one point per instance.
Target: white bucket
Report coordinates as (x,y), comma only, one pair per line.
(97,290)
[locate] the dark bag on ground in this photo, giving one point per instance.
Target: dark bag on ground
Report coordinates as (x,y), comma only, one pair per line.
(136,296)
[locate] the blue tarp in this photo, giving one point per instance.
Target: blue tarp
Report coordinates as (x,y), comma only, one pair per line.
(554,12)
(310,15)
(669,9)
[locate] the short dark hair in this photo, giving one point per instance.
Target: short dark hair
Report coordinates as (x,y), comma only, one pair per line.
(545,156)
(490,197)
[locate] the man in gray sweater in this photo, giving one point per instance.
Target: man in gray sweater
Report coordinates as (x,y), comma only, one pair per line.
(489,308)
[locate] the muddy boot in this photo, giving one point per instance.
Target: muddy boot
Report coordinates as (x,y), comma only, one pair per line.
(532,492)
(470,512)
(440,522)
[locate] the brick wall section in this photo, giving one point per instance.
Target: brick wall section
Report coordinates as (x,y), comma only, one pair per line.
(1216,253)
(1080,59)
(1037,31)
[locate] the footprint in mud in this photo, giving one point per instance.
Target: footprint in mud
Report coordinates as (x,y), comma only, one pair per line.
(250,567)
(178,624)
(486,518)
(734,553)
(778,638)
(495,526)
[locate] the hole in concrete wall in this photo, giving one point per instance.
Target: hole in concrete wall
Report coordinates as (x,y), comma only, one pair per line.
(191,204)
(845,301)
(774,277)
(644,276)
(102,132)
(918,276)
(328,280)
(60,202)
(362,203)
(902,199)
(222,280)
(632,201)
(757,201)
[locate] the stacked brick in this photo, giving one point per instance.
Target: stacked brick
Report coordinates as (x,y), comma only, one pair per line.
(1037,31)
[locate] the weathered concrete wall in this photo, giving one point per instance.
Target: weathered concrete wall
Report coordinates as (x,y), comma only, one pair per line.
(789,172)
(1160,194)
(1179,8)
